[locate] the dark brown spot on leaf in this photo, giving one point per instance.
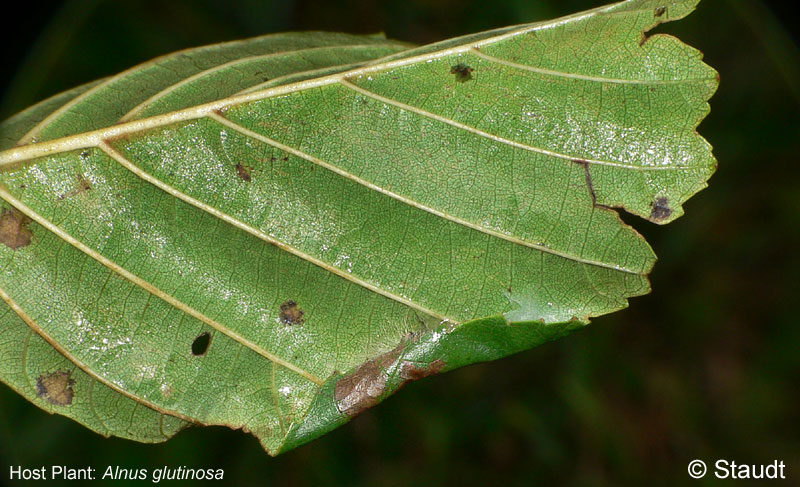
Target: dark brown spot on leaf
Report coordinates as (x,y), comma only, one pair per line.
(661,210)
(291,313)
(56,387)
(201,343)
(243,172)
(659,11)
(462,71)
(359,391)
(412,371)
(14,232)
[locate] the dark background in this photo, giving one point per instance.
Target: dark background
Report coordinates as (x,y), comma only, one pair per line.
(707,366)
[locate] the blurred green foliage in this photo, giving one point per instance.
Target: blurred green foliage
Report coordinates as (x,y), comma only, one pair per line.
(707,366)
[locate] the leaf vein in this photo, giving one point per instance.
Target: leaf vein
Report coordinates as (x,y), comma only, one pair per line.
(175,86)
(113,153)
(39,331)
(497,138)
(408,201)
(114,267)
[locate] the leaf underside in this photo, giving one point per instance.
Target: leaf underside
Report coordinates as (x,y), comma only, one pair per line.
(277,233)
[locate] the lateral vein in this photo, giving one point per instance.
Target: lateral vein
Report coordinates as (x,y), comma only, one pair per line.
(599,79)
(80,364)
(277,81)
(122,160)
(30,213)
(408,201)
(261,57)
(497,138)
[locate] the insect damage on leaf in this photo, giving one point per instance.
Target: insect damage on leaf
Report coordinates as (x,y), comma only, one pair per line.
(14,231)
(412,371)
(462,71)
(291,313)
(589,183)
(359,391)
(363,389)
(661,210)
(243,172)
(81,186)
(201,343)
(56,387)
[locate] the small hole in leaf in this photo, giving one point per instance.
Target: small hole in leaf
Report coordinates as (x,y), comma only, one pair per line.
(201,343)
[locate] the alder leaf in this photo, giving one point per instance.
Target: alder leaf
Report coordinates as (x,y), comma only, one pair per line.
(275,234)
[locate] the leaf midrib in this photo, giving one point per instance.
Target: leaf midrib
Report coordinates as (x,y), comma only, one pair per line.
(261,57)
(94,137)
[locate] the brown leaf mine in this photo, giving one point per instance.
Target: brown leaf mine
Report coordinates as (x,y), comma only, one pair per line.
(14,232)
(411,371)
(359,391)
(291,313)
(56,387)
(363,388)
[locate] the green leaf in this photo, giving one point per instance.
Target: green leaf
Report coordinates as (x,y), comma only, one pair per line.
(276,234)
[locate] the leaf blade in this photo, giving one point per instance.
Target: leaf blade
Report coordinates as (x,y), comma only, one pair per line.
(252,219)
